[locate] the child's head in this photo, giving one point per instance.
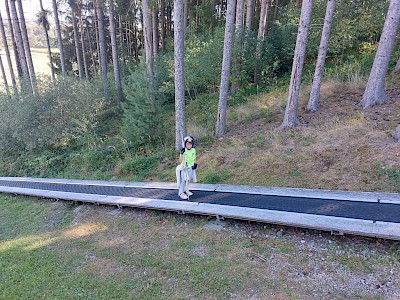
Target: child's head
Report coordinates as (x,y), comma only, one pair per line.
(189,142)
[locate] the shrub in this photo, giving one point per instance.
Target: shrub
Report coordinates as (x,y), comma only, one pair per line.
(56,114)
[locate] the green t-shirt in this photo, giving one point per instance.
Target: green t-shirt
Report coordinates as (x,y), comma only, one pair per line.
(190,156)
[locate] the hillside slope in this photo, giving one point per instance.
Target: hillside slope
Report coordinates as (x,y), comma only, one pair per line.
(342,146)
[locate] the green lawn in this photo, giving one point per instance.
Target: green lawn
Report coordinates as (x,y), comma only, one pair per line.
(60,250)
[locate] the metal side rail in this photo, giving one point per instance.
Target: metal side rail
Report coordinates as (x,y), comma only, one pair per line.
(359,213)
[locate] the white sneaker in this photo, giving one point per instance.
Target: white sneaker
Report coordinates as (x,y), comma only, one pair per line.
(189,193)
(183,196)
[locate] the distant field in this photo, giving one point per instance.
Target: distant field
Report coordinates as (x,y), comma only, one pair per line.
(40,62)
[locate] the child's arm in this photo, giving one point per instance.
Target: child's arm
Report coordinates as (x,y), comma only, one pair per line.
(181,155)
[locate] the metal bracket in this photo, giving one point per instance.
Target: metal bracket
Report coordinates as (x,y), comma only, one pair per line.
(220,218)
(337,232)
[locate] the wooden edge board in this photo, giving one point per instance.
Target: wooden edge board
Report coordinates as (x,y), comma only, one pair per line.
(326,223)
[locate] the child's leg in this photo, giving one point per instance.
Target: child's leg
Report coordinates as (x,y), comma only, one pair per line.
(178,175)
(179,179)
(190,175)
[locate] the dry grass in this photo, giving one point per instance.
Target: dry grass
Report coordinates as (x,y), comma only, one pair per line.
(342,146)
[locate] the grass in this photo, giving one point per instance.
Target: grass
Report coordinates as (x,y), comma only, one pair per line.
(40,61)
(58,250)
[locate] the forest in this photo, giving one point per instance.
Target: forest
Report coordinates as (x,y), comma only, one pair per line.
(130,78)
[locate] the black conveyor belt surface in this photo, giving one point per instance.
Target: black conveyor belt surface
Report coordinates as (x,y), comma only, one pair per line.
(326,207)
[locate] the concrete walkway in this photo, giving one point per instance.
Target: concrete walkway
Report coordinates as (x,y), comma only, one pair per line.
(360,213)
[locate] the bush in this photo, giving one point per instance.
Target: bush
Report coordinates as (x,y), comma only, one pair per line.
(55,115)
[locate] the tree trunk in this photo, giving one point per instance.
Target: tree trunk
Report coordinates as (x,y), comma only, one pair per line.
(82,35)
(121,43)
(14,44)
(313,102)
(179,37)
(18,39)
(169,20)
(96,30)
(147,32)
(238,42)
(291,119)
(260,37)
(375,91)
(136,42)
(226,69)
(213,19)
(239,20)
(27,46)
(45,28)
(117,77)
(154,20)
(103,52)
(197,21)
(3,73)
(185,14)
(8,56)
(250,15)
(77,46)
(59,38)
(276,3)
(91,50)
(162,24)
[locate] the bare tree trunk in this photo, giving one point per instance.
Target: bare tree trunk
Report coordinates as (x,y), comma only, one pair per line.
(263,19)
(185,13)
(103,53)
(96,27)
(291,119)
(8,56)
(154,27)
(239,22)
(18,39)
(162,24)
(238,42)
(59,38)
(148,40)
(169,20)
(117,76)
(250,15)
(77,46)
(213,20)
(197,17)
(82,35)
(179,37)
(3,73)
(226,69)
(121,42)
(276,3)
(313,102)
(27,46)
(374,93)
(91,51)
(46,28)
(260,37)
(136,42)
(14,44)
